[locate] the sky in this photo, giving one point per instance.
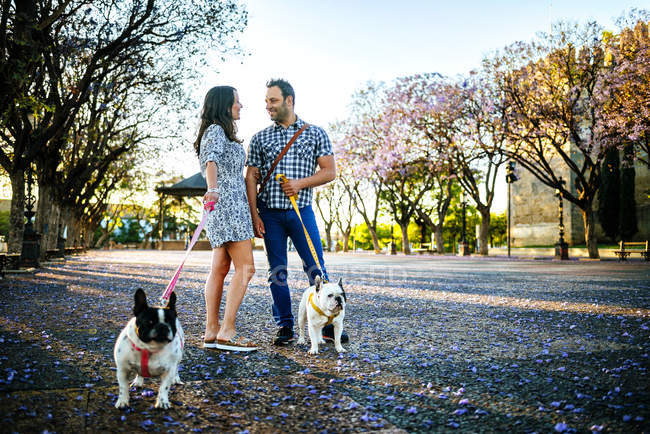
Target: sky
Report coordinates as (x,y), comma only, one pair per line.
(328,49)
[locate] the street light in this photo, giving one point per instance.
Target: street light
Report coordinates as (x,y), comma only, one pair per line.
(511,177)
(31,239)
(561,247)
(464,245)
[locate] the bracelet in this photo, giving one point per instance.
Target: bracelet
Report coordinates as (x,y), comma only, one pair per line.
(213,190)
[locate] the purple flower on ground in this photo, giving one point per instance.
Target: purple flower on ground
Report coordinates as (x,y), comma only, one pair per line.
(561,427)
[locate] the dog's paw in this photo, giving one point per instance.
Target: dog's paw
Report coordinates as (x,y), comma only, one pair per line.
(162,403)
(177,380)
(301,340)
(321,341)
(138,381)
(122,403)
(341,350)
(313,351)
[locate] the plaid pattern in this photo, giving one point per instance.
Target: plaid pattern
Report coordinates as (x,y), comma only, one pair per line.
(299,161)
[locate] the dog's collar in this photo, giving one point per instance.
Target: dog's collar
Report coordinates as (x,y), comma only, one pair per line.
(144,359)
(330,318)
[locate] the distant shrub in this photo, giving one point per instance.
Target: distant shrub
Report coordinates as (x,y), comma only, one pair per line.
(4,223)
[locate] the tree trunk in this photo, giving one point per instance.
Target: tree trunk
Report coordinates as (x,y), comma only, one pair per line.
(440,245)
(328,237)
(373,234)
(47,218)
(68,222)
(102,239)
(590,233)
(375,240)
(346,240)
(406,246)
(484,231)
(17,213)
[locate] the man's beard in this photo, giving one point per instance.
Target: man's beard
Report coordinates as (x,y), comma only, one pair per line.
(281,114)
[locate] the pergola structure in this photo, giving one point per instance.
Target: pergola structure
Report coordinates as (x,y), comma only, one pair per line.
(189,187)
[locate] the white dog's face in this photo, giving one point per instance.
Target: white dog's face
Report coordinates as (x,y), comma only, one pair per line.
(331,296)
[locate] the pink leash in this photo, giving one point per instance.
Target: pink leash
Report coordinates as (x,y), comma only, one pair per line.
(207,208)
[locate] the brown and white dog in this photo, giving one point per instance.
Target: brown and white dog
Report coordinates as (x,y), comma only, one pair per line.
(151,345)
(321,305)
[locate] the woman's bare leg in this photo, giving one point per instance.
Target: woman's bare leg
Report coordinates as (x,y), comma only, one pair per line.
(241,253)
(214,290)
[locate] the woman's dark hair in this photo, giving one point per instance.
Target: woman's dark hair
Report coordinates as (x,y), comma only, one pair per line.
(285,87)
(217,109)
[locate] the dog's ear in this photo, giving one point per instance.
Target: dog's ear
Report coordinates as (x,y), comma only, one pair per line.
(171,304)
(341,286)
(140,302)
(318,283)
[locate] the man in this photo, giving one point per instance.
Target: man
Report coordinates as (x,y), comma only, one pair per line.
(274,218)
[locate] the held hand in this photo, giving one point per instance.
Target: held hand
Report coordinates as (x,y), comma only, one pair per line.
(291,187)
(211,197)
(258,226)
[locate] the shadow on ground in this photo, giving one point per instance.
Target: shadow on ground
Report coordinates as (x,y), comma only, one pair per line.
(490,346)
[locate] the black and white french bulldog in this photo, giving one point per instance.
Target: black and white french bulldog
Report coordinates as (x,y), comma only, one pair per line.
(151,345)
(322,304)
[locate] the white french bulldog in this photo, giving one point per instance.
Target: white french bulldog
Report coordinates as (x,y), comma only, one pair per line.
(321,305)
(151,345)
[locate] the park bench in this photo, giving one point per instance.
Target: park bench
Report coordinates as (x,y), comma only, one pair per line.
(53,253)
(423,247)
(636,247)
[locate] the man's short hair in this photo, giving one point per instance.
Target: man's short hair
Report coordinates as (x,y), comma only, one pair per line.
(285,87)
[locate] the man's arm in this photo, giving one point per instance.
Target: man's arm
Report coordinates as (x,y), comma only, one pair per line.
(252,175)
(325,174)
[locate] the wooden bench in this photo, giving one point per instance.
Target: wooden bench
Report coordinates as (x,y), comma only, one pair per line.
(53,253)
(424,248)
(640,247)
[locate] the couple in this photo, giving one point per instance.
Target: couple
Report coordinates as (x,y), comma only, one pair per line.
(241,212)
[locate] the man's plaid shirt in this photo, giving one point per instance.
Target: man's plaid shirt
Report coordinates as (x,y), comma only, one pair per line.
(298,162)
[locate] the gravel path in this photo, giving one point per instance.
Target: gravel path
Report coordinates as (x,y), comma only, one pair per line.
(438,344)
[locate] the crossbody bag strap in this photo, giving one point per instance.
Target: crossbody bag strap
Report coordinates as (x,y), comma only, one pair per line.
(279,157)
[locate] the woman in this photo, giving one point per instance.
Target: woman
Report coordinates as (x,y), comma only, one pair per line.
(229,226)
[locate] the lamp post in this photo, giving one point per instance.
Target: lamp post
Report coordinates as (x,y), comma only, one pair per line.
(511,177)
(464,245)
(31,239)
(561,247)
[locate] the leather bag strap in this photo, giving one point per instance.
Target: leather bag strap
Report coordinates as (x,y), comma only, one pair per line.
(280,156)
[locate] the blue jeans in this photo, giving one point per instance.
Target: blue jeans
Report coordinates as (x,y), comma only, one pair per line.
(279,225)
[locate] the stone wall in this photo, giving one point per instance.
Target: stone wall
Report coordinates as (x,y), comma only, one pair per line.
(535,211)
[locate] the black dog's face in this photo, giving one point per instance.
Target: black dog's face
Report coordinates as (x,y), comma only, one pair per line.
(156,324)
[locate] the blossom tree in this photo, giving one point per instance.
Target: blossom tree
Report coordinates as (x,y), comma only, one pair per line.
(480,141)
(428,107)
(549,87)
(623,96)
(357,141)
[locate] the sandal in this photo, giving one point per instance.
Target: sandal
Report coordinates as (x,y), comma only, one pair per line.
(210,343)
(236,343)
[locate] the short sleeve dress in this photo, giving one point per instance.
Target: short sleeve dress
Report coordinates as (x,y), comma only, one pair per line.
(231,218)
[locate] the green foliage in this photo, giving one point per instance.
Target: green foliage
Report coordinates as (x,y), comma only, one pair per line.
(453,226)
(129,232)
(609,194)
(498,229)
(4,223)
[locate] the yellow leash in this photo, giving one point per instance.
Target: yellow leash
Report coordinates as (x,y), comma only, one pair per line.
(281,179)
